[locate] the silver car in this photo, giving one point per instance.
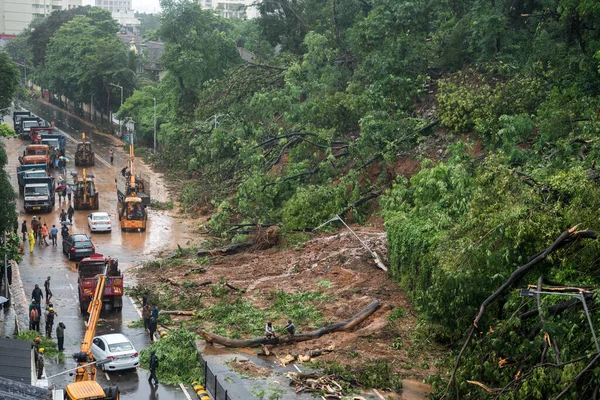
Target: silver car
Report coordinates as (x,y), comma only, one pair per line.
(116,348)
(99,222)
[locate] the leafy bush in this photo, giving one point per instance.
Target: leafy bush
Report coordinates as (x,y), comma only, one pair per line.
(178,358)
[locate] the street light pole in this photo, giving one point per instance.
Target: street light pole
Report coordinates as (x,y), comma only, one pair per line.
(120,125)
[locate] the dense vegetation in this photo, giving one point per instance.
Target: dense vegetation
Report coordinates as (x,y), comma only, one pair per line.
(500,98)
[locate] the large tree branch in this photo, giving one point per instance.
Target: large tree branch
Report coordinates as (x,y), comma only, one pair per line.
(347,325)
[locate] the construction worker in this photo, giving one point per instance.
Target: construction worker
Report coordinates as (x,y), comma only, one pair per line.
(31,240)
(270,331)
(152,325)
(34,319)
(146,313)
(290,328)
(40,363)
(60,335)
(45,234)
(49,321)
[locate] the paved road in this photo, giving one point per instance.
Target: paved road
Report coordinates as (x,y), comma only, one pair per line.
(129,248)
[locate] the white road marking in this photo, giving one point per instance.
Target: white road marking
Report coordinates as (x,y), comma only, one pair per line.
(67,275)
(107,377)
(103,161)
(295,366)
(71,286)
(184,390)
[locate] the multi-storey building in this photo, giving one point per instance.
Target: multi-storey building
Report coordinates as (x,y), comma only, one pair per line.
(114,5)
(16,15)
(232,8)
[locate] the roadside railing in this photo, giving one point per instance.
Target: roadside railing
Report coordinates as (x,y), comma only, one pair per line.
(211,382)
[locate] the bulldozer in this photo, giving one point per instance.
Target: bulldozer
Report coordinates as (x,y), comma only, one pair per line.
(85,195)
(84,156)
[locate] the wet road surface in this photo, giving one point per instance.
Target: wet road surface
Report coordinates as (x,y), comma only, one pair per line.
(129,248)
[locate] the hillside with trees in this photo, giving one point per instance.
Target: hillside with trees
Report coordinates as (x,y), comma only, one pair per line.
(494,102)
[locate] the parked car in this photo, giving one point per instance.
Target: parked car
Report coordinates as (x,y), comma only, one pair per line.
(117,348)
(78,246)
(99,222)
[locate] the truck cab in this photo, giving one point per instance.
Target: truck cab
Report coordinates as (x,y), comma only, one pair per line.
(25,125)
(39,194)
(88,269)
(36,133)
(23,169)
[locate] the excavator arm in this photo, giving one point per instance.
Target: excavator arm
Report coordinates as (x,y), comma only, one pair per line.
(85,385)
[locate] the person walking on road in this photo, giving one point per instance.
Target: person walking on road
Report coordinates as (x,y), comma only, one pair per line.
(35,225)
(146,313)
(152,325)
(64,232)
(45,234)
(63,216)
(40,236)
(31,240)
(111,154)
(37,294)
(70,213)
(144,299)
(60,335)
(153,366)
(54,235)
(47,290)
(24,230)
(69,193)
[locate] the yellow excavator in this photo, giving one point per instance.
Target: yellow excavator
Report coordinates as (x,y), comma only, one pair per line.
(84,156)
(85,386)
(85,195)
(132,208)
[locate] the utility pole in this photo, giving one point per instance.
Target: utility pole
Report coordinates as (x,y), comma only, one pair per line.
(120,125)
(154,98)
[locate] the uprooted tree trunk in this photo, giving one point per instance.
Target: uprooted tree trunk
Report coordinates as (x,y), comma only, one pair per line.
(566,237)
(347,325)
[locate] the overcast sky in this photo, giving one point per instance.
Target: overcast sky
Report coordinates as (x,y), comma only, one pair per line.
(147,6)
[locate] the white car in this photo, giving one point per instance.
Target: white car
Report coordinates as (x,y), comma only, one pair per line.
(118,349)
(99,222)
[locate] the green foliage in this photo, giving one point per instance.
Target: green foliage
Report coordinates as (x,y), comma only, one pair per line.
(398,313)
(158,205)
(7,131)
(50,347)
(177,358)
(371,374)
(9,80)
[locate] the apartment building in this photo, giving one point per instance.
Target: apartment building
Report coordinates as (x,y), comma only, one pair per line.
(16,15)
(234,9)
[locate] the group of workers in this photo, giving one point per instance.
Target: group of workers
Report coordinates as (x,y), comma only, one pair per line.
(270,329)
(40,232)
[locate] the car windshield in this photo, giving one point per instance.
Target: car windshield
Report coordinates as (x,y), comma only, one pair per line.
(100,218)
(29,124)
(83,244)
(119,347)
(36,191)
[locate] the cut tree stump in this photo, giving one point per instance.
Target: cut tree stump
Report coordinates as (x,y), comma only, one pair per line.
(347,325)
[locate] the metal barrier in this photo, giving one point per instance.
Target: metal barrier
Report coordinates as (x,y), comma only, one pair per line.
(214,388)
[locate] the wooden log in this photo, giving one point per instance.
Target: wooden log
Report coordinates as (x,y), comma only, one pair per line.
(225,250)
(177,312)
(355,320)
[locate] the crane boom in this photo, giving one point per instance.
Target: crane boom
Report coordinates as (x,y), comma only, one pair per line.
(85,376)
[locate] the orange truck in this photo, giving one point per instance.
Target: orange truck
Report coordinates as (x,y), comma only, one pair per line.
(36,154)
(88,270)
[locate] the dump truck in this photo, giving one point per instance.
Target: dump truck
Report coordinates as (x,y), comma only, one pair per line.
(57,140)
(26,177)
(85,195)
(36,154)
(22,169)
(25,125)
(37,131)
(87,269)
(38,194)
(84,156)
(17,115)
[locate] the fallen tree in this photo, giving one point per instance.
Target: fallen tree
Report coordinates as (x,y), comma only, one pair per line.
(347,325)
